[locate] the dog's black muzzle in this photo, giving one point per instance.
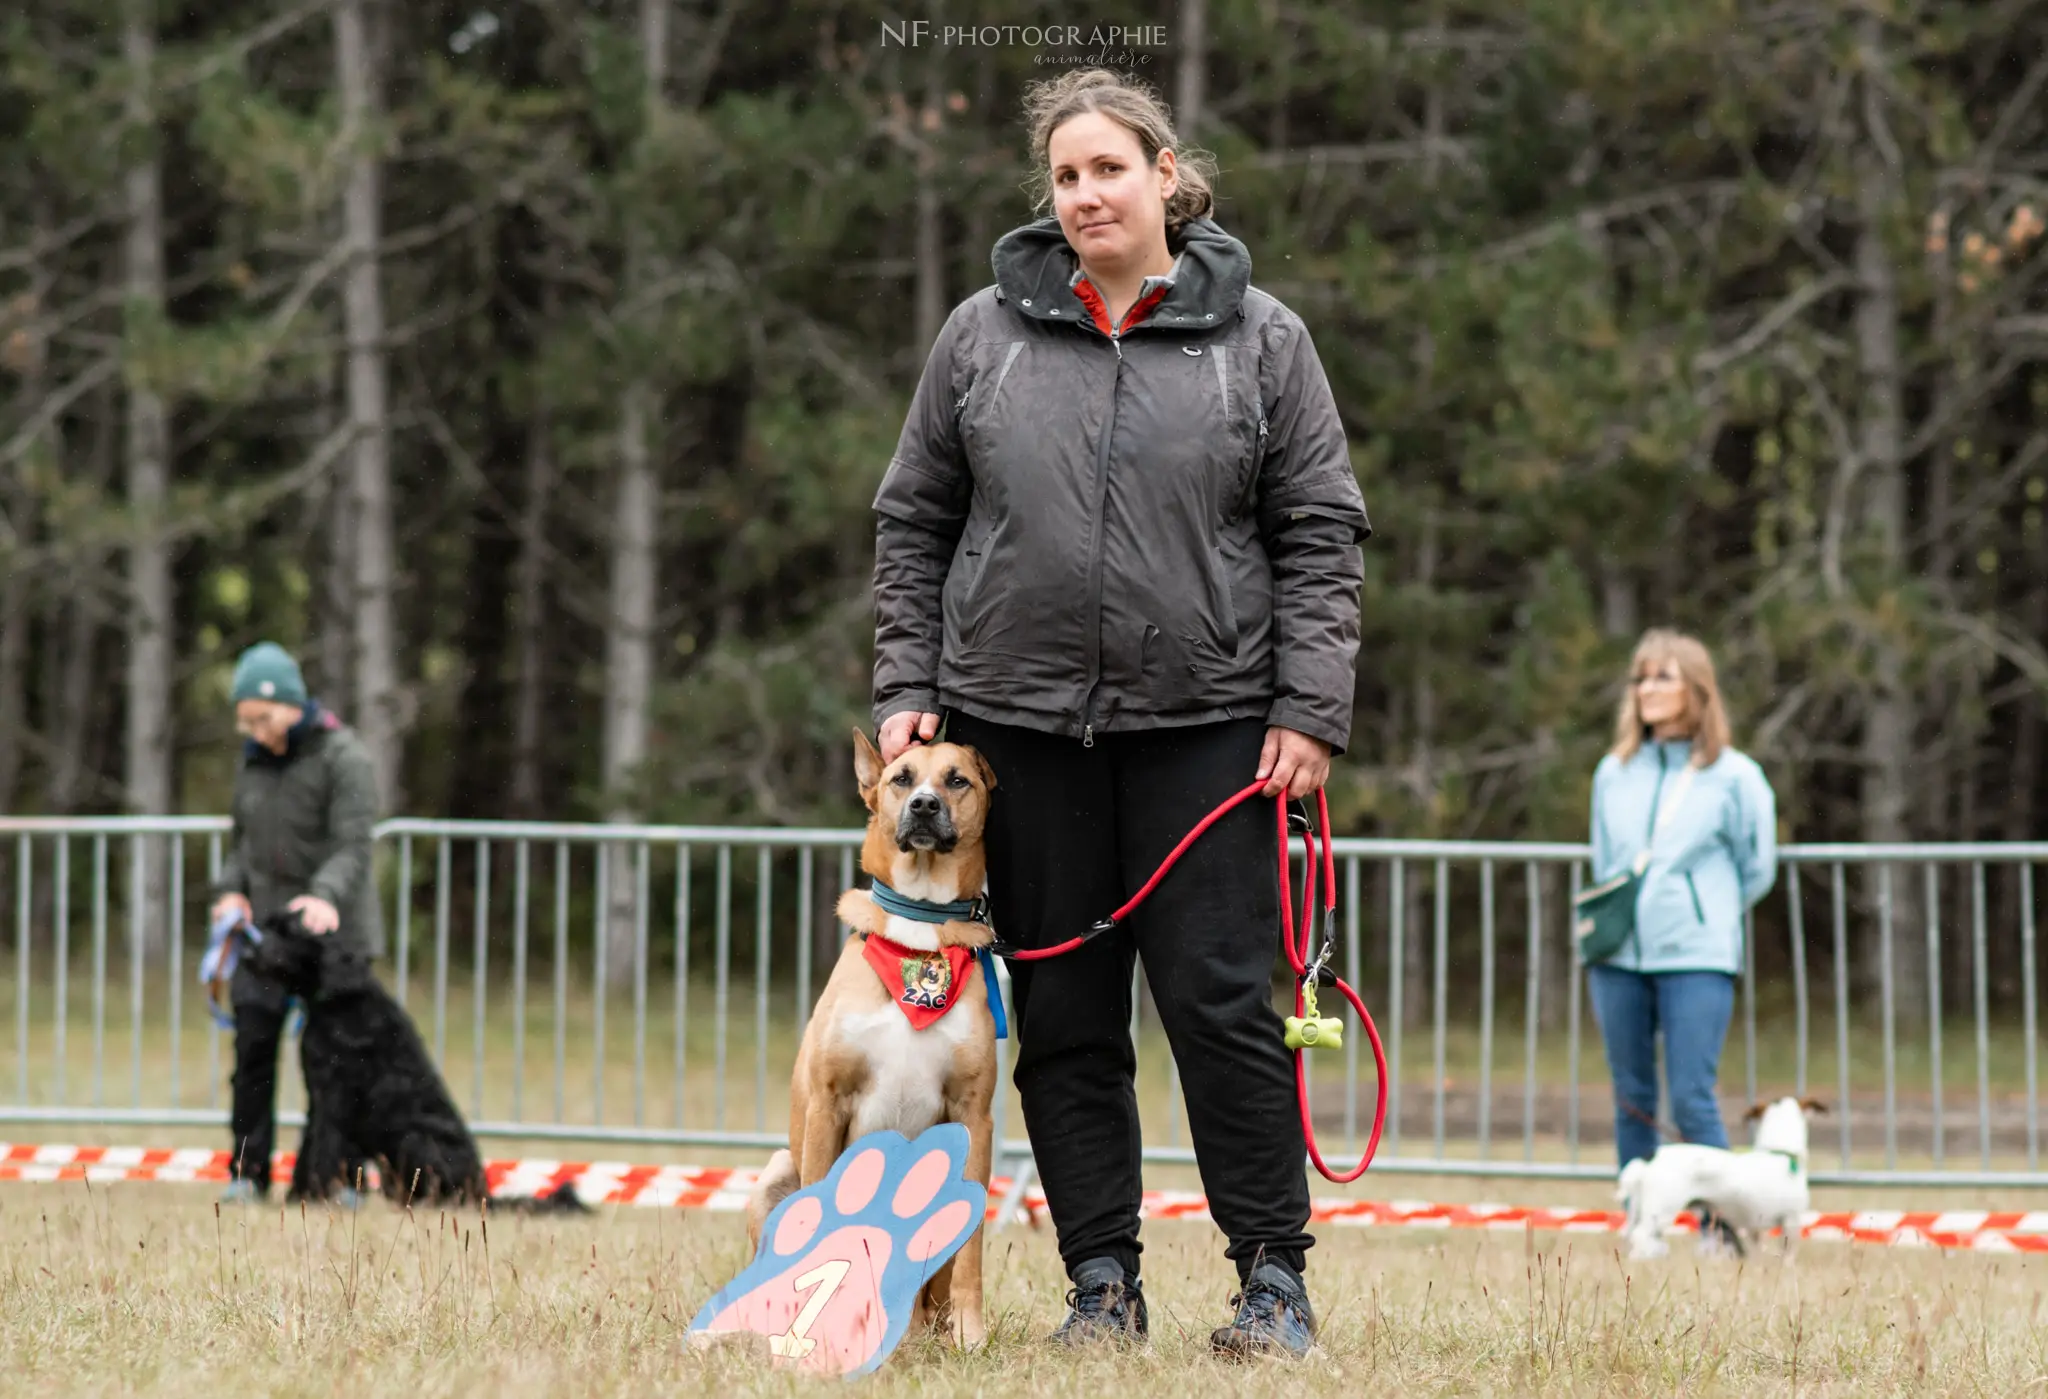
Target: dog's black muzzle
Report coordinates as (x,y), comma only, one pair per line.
(925,824)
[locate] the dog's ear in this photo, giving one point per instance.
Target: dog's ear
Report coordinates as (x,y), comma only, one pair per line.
(1813,1105)
(867,764)
(988,774)
(1756,1110)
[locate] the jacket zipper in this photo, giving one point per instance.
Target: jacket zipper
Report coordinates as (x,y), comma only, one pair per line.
(1095,552)
(1697,911)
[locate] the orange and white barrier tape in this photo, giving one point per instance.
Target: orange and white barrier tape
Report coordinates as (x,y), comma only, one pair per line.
(726,1188)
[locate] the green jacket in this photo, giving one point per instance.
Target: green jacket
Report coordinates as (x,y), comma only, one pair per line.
(302,826)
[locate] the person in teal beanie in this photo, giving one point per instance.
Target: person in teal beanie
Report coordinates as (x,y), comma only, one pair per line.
(305,804)
(1675,785)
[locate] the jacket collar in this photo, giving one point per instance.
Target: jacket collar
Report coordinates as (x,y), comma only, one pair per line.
(1035,269)
(315,722)
(1667,750)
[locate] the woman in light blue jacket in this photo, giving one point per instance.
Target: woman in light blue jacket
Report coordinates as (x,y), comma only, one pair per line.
(1713,855)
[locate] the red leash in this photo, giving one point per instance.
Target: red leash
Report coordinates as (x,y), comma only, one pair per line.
(1306,974)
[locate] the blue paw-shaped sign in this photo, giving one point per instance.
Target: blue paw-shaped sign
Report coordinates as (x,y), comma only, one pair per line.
(841,1261)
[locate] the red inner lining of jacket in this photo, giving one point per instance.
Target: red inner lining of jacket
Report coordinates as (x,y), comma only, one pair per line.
(1092,299)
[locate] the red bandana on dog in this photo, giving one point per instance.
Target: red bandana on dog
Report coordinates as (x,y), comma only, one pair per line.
(925,985)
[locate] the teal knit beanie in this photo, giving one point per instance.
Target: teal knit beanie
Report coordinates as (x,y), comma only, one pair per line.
(266,671)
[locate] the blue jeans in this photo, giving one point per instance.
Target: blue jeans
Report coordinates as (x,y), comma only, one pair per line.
(1692,1009)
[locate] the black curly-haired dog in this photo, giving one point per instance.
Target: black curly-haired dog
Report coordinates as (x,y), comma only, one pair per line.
(372,1090)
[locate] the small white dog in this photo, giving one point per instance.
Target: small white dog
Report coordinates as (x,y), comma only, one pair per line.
(1753,1191)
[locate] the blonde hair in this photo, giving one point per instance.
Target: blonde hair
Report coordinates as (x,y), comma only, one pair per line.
(1133,106)
(1702,690)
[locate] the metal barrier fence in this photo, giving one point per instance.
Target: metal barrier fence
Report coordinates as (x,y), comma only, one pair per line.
(648,984)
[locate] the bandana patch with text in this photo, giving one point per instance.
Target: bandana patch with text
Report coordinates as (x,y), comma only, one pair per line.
(924,985)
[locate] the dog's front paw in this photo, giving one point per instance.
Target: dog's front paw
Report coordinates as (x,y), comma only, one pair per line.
(960,933)
(842,1262)
(1644,1246)
(857,909)
(968,1331)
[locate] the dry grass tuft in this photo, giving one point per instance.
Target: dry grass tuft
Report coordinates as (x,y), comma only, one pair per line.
(143,1288)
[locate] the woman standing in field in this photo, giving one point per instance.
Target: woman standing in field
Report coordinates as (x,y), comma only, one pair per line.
(1118,553)
(1675,788)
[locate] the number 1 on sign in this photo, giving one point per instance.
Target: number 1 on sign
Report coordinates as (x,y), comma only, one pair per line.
(795,1343)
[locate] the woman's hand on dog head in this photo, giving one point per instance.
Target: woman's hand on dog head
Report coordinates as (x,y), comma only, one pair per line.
(899,731)
(316,915)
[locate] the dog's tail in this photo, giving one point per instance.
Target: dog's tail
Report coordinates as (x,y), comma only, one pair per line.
(776,1183)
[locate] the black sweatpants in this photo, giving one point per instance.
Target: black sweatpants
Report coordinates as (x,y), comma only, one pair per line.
(1072,833)
(259,1006)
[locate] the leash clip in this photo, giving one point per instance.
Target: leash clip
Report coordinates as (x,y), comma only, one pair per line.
(1000,948)
(1312,975)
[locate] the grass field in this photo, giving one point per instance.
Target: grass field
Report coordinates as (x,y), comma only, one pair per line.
(142,1289)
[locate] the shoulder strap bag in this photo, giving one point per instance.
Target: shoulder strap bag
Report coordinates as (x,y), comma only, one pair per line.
(1604,916)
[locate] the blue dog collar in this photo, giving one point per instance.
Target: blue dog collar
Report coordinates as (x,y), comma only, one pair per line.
(974,910)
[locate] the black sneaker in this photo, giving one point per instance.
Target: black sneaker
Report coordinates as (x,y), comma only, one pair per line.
(1273,1316)
(1106,1306)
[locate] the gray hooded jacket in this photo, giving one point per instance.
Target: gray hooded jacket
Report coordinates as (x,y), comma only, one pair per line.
(1084,532)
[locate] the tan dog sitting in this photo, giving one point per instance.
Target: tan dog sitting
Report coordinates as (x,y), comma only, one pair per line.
(902,1037)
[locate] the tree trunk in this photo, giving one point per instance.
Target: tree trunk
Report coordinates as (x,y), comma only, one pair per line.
(76,618)
(629,630)
(1420,914)
(149,691)
(18,595)
(929,296)
(1889,722)
(78,670)
(336,624)
(2022,794)
(1433,100)
(1280,69)
(1192,81)
(14,623)
(481,771)
(376,650)
(1620,614)
(531,619)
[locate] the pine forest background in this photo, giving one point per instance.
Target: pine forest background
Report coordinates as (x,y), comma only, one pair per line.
(529,366)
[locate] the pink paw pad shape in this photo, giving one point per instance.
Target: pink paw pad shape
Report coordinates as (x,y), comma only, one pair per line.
(841,1261)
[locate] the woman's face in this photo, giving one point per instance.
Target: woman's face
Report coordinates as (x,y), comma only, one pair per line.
(1661,693)
(1111,203)
(267,721)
